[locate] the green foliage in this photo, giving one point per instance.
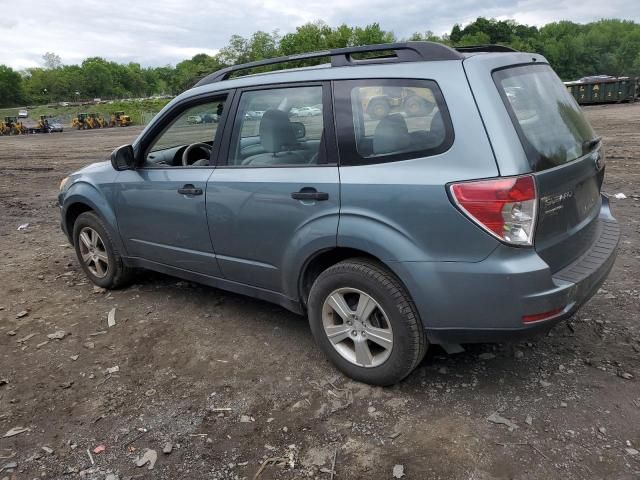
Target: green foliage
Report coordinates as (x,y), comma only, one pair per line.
(610,47)
(605,47)
(574,50)
(11,89)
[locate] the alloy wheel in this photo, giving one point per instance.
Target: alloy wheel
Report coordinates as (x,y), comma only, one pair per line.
(93,252)
(357,327)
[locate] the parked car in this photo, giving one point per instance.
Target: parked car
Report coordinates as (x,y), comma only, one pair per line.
(194,119)
(477,220)
(254,114)
(308,112)
(55,126)
(210,118)
(23,114)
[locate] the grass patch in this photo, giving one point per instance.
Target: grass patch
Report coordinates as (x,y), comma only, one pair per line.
(141,111)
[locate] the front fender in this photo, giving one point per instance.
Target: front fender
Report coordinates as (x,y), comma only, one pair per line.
(82,192)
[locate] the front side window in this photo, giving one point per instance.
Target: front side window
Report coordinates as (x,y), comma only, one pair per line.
(278,127)
(188,139)
(390,120)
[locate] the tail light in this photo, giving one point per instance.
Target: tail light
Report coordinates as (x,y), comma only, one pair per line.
(538,317)
(504,207)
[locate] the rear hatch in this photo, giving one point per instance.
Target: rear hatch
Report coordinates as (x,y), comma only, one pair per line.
(565,156)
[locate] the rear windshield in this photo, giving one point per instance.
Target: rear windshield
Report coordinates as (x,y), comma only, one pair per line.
(550,123)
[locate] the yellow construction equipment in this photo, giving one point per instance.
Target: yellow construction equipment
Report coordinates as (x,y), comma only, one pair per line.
(86,121)
(102,123)
(4,130)
(92,121)
(97,121)
(80,122)
(119,119)
(12,126)
(43,124)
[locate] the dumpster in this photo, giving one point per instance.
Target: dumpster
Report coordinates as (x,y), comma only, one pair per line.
(604,89)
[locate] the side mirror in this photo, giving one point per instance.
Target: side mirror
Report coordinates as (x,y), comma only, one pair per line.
(299,129)
(123,158)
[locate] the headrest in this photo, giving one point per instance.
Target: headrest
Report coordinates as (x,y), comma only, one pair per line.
(391,135)
(276,131)
(437,128)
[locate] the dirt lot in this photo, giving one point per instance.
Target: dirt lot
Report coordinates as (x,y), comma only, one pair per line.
(231,382)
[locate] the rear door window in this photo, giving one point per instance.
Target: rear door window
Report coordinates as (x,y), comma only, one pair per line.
(384,120)
(550,124)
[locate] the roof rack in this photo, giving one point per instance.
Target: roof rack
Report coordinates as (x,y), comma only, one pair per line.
(340,57)
(484,48)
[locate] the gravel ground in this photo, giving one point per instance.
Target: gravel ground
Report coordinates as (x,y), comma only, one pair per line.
(237,387)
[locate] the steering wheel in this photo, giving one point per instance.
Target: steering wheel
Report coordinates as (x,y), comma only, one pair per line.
(187,151)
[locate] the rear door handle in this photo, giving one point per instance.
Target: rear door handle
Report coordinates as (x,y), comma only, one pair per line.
(309,193)
(189,189)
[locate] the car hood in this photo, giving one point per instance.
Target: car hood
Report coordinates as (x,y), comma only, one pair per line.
(97,174)
(97,167)
(98,170)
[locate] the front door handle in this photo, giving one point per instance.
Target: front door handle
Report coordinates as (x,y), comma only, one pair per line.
(189,189)
(309,193)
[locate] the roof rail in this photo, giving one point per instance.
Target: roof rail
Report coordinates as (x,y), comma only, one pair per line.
(340,57)
(484,48)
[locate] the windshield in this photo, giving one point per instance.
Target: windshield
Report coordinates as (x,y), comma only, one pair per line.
(550,123)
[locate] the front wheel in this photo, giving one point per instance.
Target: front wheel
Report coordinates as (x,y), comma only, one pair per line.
(365,322)
(97,253)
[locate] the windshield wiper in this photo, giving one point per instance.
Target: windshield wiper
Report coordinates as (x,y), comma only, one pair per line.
(589,145)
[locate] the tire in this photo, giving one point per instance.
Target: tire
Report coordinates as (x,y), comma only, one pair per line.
(394,313)
(415,106)
(111,274)
(378,108)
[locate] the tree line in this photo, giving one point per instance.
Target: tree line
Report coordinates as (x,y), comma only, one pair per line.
(574,50)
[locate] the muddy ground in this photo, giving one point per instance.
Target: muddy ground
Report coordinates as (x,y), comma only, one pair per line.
(231,382)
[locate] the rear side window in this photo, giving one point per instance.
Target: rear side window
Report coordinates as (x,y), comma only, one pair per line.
(549,122)
(385,120)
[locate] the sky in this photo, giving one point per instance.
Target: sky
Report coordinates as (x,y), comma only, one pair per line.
(161,32)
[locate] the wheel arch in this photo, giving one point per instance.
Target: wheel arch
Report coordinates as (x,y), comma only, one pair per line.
(320,261)
(72,213)
(83,197)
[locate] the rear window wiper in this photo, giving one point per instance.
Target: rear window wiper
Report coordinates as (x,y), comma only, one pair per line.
(589,145)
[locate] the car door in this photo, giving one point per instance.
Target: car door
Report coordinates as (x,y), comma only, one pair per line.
(274,197)
(160,205)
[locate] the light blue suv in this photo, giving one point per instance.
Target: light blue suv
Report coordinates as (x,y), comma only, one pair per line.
(403,195)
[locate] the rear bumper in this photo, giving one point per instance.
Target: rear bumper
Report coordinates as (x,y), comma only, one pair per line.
(486,301)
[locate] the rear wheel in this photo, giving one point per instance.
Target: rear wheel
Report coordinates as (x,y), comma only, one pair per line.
(365,322)
(97,253)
